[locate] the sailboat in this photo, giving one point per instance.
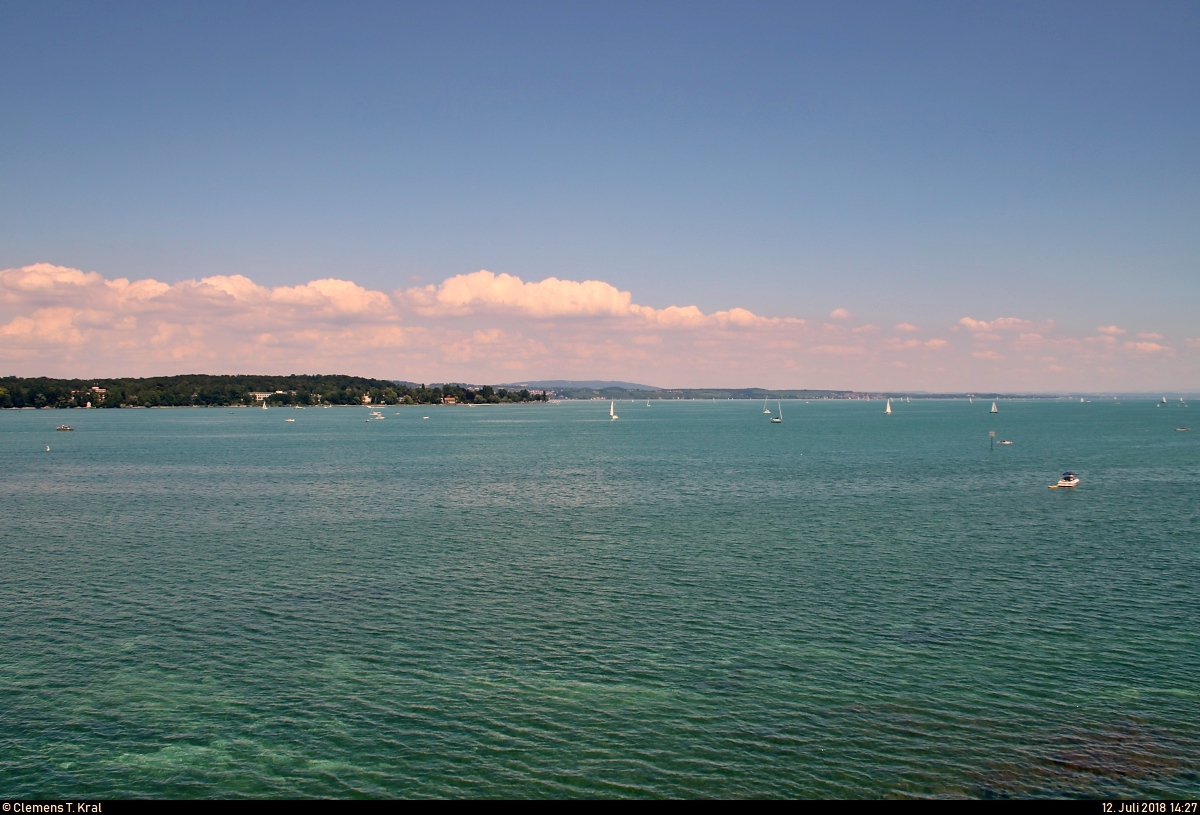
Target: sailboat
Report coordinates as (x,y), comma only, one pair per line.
(971,400)
(777,419)
(647,403)
(766,410)
(888,410)
(994,408)
(264,404)
(612,410)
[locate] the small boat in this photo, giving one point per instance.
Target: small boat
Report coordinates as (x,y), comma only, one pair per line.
(64,427)
(647,403)
(766,410)
(1183,429)
(888,410)
(1004,441)
(994,408)
(424,417)
(264,405)
(778,419)
(612,411)
(290,420)
(1069,479)
(47,448)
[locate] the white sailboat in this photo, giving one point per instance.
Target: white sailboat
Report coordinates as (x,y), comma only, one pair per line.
(766,410)
(777,419)
(994,408)
(612,411)
(888,411)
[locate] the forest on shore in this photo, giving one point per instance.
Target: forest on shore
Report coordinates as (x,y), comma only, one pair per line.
(202,390)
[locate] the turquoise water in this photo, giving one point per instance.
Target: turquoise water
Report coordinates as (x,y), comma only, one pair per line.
(535,601)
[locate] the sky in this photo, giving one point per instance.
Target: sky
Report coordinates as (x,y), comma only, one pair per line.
(866,195)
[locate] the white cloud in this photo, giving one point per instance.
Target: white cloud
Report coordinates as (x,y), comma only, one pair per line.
(482,326)
(1148,347)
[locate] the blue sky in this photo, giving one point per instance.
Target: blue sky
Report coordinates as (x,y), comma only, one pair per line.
(909,162)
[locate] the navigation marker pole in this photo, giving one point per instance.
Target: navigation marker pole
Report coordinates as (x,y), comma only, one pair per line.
(992,440)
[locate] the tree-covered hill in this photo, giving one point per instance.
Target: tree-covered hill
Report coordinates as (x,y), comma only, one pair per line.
(201,390)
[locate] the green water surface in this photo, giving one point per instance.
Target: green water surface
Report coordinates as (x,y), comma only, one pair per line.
(534,601)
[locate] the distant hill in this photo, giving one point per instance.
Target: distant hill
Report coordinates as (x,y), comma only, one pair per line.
(205,390)
(580,384)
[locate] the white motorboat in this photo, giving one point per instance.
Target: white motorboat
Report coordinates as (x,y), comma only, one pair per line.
(1069,479)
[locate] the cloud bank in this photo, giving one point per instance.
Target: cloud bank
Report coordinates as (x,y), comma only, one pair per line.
(486,327)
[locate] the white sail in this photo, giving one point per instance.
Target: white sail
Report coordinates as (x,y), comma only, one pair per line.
(994,408)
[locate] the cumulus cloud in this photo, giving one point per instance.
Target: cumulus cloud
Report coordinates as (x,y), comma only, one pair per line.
(483,290)
(1148,347)
(998,324)
(485,326)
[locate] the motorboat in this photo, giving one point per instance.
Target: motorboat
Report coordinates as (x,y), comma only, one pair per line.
(290,420)
(1004,441)
(1069,479)
(64,427)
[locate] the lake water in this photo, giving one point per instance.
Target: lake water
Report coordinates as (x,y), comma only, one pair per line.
(535,601)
